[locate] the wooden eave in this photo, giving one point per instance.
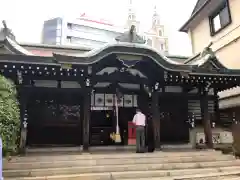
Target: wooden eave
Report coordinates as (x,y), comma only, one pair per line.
(13,47)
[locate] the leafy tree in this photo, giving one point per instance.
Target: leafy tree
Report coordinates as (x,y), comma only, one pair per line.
(9,116)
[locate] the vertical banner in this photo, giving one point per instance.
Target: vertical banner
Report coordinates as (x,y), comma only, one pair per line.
(1,159)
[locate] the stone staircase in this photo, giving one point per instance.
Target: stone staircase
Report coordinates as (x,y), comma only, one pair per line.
(194,165)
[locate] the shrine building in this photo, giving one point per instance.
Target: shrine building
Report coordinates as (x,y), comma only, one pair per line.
(69,100)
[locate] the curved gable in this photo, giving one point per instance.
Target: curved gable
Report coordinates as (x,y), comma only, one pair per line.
(97,55)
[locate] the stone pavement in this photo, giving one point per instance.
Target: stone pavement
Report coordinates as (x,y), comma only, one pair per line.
(189,165)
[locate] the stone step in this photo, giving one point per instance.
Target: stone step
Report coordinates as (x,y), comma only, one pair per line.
(15,165)
(187,174)
(119,168)
(64,157)
(235,175)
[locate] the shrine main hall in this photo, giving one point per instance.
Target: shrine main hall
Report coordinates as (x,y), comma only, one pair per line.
(79,100)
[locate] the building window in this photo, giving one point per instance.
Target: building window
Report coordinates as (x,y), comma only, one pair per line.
(161,47)
(160,33)
(220,18)
(69,25)
(69,39)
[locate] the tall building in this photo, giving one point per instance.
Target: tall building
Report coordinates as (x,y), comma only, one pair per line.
(89,32)
(132,18)
(83,31)
(156,35)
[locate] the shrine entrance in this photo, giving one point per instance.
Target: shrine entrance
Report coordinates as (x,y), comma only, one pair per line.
(106,116)
(174,128)
(54,119)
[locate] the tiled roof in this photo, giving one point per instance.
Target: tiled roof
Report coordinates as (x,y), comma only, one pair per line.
(198,5)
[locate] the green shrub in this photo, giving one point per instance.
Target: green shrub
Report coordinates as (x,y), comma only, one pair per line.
(9,116)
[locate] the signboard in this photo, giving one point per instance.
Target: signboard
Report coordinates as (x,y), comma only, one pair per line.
(128,101)
(107,100)
(99,100)
(1,159)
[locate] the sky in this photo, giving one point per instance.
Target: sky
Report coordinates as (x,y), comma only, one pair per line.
(26,17)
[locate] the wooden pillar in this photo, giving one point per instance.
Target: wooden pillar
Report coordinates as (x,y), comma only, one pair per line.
(216,107)
(86,116)
(156,119)
(24,121)
(143,99)
(206,118)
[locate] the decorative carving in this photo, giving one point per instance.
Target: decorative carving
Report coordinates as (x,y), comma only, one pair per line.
(207,87)
(156,87)
(147,90)
(165,75)
(131,37)
(207,55)
(129,61)
(6,32)
(87,82)
(19,75)
(208,52)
